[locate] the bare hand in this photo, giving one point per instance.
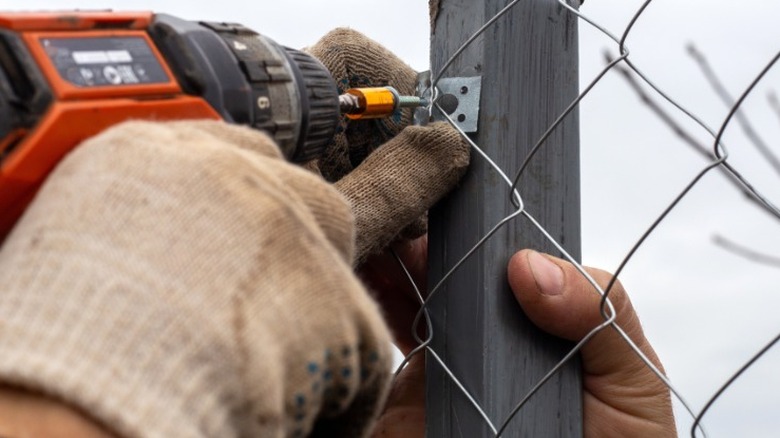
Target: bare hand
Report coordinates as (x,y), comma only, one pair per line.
(622,396)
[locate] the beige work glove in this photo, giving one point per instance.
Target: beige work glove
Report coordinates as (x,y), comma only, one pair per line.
(389,171)
(183,280)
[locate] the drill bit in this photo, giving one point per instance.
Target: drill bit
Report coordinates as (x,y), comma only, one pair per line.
(374,103)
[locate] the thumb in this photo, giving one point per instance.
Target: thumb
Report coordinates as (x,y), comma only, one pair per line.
(560,301)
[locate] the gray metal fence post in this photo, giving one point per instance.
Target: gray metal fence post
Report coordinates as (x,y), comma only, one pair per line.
(529,67)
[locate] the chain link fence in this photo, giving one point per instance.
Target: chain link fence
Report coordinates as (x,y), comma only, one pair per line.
(679,177)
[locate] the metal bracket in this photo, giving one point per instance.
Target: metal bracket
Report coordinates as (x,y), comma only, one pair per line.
(458,97)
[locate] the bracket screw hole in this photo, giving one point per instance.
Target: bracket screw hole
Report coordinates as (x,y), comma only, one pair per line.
(464,90)
(461,118)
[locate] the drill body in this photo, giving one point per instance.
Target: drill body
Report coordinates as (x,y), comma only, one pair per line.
(65,77)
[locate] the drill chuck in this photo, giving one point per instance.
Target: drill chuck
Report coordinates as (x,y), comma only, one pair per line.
(252,80)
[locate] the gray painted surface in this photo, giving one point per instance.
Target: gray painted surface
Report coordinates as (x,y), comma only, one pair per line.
(528,62)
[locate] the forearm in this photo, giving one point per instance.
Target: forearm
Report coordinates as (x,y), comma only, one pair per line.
(28,414)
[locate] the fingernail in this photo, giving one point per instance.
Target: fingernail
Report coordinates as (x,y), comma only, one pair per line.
(548,275)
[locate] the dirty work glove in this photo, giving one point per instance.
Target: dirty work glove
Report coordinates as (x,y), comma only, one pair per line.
(183,280)
(390,172)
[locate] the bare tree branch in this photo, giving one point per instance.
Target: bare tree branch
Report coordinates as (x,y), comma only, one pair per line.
(670,121)
(774,103)
(734,177)
(724,95)
(747,253)
(685,136)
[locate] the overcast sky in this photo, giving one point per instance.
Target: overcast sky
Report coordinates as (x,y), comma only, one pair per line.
(705,310)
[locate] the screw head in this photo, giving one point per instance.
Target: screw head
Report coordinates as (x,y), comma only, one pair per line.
(449,103)
(263,102)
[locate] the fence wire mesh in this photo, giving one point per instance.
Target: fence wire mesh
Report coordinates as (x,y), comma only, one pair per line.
(695,169)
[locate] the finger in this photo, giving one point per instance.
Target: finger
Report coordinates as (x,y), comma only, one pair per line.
(330,210)
(400,181)
(415,229)
(404,414)
(356,60)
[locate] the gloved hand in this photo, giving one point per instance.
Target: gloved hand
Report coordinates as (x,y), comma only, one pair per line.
(182,280)
(390,172)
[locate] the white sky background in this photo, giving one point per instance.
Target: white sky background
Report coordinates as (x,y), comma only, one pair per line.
(705,310)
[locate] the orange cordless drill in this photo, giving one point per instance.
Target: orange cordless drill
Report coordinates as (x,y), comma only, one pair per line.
(66,76)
